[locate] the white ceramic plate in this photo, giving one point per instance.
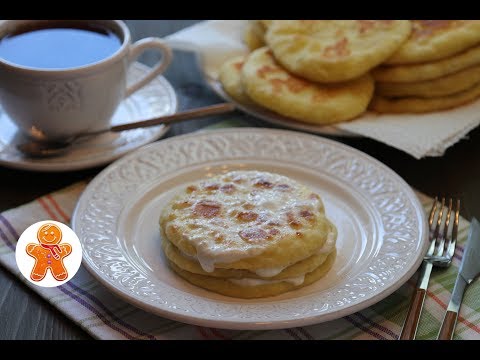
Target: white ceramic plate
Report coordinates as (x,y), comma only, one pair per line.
(155,99)
(381,226)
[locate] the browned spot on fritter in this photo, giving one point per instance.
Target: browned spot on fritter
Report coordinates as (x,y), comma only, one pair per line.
(219,238)
(210,186)
(327,92)
(238,179)
(339,49)
(238,65)
(248,206)
(191,189)
(267,69)
(426,28)
(292,84)
(207,208)
(253,235)
(228,188)
(247,216)
(292,221)
(172,229)
(263,183)
(365,25)
(299,234)
(306,214)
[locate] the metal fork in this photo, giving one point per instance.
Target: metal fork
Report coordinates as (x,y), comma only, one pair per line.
(440,253)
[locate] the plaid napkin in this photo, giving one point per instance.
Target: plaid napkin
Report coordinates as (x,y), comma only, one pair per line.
(105,316)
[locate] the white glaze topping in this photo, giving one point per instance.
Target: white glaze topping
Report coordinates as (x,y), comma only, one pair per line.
(270,272)
(329,245)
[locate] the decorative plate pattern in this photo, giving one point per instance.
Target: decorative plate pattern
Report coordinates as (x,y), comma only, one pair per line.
(155,99)
(381,224)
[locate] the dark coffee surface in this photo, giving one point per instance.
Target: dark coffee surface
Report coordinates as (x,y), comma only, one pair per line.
(58,48)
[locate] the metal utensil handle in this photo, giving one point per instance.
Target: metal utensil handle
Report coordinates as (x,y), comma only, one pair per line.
(180,116)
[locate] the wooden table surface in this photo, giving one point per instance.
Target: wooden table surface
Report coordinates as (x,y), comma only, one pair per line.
(25,315)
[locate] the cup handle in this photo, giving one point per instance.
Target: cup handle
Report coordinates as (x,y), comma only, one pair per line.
(139,47)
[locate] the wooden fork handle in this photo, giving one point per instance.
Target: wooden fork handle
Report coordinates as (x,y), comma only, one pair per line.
(413,316)
(448,326)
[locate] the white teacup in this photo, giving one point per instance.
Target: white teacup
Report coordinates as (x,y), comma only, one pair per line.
(57,103)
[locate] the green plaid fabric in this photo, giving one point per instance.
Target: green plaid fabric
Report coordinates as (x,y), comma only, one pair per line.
(104,316)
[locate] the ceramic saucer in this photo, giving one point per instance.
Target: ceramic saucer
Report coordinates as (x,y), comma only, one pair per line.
(155,99)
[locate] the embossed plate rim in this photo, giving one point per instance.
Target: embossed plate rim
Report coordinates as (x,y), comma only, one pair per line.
(167,296)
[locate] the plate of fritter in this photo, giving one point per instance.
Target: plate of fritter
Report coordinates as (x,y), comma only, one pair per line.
(250,229)
(322,75)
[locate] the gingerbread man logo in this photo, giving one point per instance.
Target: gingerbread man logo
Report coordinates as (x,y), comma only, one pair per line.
(49,254)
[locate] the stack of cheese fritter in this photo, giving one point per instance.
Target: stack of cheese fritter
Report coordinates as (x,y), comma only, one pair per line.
(320,71)
(437,68)
(248,234)
(315,71)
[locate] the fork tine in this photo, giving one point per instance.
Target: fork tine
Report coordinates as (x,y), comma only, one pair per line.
(431,218)
(447,221)
(447,239)
(432,213)
(439,240)
(453,242)
(439,220)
